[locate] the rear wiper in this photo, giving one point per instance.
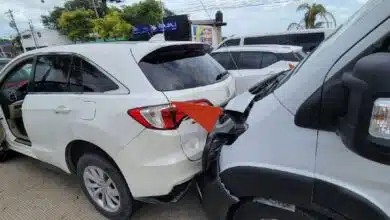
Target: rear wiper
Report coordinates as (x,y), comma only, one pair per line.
(221,75)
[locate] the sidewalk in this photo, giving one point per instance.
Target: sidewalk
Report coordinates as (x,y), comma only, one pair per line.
(31,190)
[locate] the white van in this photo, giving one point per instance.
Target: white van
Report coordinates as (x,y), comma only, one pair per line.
(307,39)
(316,141)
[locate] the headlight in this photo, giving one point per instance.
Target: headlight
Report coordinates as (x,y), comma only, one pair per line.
(380,119)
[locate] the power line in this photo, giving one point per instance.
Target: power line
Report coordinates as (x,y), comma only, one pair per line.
(231,5)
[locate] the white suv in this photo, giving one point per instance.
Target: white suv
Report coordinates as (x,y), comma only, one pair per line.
(103,112)
(252,64)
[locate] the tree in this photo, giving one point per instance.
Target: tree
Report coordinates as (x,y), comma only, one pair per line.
(112,25)
(77,24)
(17,44)
(145,12)
(51,21)
(316,16)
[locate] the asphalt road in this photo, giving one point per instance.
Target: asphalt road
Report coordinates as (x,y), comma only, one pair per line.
(32,190)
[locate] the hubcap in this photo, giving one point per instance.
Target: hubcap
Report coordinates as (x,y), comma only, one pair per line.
(101,188)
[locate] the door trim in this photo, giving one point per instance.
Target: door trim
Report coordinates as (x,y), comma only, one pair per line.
(284,186)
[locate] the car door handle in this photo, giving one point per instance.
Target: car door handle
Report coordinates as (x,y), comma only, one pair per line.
(62,110)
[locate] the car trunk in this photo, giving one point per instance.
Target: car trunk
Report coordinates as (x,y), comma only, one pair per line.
(188,73)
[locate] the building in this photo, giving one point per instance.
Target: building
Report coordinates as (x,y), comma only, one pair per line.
(42,38)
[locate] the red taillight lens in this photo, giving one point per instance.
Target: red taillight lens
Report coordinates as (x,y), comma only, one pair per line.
(161,117)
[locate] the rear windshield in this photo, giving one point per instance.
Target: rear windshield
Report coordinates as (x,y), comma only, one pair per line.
(181,67)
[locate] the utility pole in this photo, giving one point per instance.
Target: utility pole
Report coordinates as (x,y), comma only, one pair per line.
(33,33)
(94,7)
(14,25)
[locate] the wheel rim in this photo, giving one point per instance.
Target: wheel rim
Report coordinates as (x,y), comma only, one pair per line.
(101,188)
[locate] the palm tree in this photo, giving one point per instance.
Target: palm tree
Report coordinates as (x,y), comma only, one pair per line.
(316,16)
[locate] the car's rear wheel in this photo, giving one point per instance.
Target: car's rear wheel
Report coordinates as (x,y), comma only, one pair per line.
(5,153)
(105,187)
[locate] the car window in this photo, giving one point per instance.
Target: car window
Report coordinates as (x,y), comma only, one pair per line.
(250,60)
(293,57)
(51,73)
(226,59)
(180,67)
(18,77)
(309,41)
(85,77)
(268,59)
(231,42)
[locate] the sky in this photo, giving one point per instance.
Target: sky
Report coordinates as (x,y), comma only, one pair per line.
(246,20)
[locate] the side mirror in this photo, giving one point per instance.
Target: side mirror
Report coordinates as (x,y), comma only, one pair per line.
(365,128)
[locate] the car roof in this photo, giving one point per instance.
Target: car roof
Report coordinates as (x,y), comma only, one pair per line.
(304,31)
(138,49)
(261,48)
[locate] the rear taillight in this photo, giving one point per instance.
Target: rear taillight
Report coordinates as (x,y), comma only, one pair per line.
(291,66)
(161,117)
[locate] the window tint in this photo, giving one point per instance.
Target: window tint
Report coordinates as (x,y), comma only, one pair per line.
(84,77)
(51,73)
(269,59)
(227,60)
(250,60)
(180,67)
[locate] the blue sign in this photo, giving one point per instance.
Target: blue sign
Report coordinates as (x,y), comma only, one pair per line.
(165,27)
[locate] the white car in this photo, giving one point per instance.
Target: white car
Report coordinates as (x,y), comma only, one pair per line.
(252,64)
(308,39)
(103,112)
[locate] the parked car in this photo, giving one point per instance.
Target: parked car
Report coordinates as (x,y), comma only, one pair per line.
(108,118)
(312,143)
(307,39)
(3,62)
(252,64)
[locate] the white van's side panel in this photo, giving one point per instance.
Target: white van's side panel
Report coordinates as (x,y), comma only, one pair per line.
(337,164)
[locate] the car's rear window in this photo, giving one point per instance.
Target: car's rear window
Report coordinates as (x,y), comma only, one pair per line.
(293,57)
(181,67)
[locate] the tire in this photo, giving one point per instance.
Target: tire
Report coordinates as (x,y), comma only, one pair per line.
(111,208)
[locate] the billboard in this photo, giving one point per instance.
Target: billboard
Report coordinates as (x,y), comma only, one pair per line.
(175,28)
(205,34)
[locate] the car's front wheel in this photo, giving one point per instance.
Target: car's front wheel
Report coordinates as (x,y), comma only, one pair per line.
(105,187)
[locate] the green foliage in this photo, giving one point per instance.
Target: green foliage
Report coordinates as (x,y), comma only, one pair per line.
(312,15)
(17,44)
(77,24)
(144,12)
(112,25)
(75,18)
(51,21)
